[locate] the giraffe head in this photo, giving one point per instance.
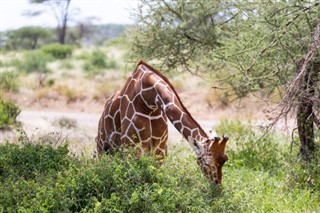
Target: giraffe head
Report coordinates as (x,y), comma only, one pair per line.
(210,156)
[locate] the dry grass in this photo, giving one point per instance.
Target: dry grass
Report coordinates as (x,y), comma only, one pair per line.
(217,97)
(105,89)
(70,93)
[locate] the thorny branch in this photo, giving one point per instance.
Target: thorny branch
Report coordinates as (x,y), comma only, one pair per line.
(294,88)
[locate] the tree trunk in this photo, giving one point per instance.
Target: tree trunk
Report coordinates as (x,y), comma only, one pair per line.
(63,29)
(305,111)
(62,34)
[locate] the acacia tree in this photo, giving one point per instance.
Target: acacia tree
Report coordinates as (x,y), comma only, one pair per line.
(250,46)
(60,9)
(25,37)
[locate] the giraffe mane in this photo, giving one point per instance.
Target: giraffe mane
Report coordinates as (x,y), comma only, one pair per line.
(157,72)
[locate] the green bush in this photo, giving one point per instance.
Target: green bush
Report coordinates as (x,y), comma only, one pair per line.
(58,51)
(252,148)
(8,113)
(97,61)
(35,61)
(306,174)
(31,160)
(51,82)
(8,81)
(41,178)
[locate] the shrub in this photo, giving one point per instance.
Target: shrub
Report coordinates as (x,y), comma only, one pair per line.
(8,113)
(65,122)
(70,93)
(97,61)
(251,148)
(38,177)
(51,82)
(31,160)
(306,174)
(35,61)
(57,50)
(8,81)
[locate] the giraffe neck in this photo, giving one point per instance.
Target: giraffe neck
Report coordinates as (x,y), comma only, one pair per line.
(181,118)
(167,99)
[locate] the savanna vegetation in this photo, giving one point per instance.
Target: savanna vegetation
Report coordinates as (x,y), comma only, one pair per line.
(227,60)
(44,176)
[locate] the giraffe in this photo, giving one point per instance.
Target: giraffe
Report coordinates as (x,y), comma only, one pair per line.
(138,113)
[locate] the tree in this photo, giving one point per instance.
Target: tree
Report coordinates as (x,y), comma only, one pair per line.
(281,50)
(60,9)
(178,33)
(249,46)
(26,37)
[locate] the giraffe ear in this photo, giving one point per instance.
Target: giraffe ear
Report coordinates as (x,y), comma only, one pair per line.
(196,146)
(214,143)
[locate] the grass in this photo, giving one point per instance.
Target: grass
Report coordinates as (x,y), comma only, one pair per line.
(71,93)
(49,179)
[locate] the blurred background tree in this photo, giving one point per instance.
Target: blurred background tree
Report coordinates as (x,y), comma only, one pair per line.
(60,10)
(26,38)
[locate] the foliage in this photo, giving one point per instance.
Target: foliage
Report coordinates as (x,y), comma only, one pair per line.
(178,33)
(97,61)
(8,113)
(25,38)
(276,37)
(8,81)
(31,160)
(306,174)
(35,176)
(35,61)
(57,50)
(251,46)
(247,46)
(51,82)
(60,10)
(252,149)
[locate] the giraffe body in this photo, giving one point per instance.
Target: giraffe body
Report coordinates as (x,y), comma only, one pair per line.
(137,114)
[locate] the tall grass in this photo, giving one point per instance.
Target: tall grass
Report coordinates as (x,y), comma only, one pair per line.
(41,178)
